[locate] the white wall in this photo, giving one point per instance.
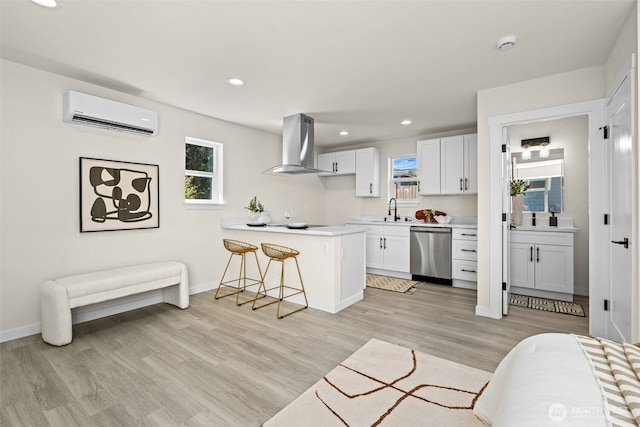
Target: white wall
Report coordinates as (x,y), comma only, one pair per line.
(343,205)
(39,221)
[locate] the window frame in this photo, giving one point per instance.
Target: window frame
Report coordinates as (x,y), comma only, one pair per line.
(391,180)
(217,185)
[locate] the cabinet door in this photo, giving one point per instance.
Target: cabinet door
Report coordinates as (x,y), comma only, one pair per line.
(368,172)
(326,162)
(471,164)
(345,162)
(452,165)
(521,264)
(375,251)
(396,253)
(554,268)
(429,166)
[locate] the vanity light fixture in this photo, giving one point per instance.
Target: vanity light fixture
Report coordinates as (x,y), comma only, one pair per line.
(406,122)
(234,81)
(542,142)
(344,133)
(525,154)
(46,3)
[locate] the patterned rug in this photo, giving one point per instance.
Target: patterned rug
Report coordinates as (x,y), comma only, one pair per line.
(391,283)
(545,304)
(383,384)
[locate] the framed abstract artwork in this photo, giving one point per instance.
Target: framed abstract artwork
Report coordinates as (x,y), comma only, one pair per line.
(117,195)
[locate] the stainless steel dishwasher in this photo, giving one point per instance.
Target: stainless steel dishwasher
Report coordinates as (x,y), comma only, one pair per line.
(430,254)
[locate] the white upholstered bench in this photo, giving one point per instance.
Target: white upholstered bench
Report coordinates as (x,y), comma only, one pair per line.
(58,297)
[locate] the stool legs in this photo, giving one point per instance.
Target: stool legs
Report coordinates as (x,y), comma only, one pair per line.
(281,289)
(241,281)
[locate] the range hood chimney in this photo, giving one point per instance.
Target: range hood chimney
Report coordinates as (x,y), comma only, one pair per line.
(297,146)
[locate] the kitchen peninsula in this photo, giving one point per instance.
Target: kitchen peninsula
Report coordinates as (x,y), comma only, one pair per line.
(332,260)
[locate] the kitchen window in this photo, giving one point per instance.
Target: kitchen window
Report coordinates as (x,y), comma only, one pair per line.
(202,173)
(403,179)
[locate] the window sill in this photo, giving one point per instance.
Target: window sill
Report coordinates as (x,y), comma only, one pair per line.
(202,204)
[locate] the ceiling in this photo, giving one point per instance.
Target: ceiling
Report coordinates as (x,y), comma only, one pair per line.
(360,66)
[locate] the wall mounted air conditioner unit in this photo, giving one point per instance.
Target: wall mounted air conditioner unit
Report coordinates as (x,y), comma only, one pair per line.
(89,110)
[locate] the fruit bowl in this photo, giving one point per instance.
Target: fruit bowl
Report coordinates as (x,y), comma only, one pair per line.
(446,219)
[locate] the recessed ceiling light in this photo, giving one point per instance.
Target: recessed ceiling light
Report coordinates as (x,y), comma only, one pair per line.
(46,3)
(234,81)
(344,133)
(406,122)
(506,43)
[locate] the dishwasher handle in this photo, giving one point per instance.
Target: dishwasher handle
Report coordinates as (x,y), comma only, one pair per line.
(430,230)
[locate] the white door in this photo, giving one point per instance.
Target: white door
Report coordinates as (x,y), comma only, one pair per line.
(522,262)
(552,270)
(346,162)
(506,223)
(429,166)
(621,208)
(452,165)
(374,251)
(396,253)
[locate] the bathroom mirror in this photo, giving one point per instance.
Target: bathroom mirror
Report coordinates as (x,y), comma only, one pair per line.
(545,176)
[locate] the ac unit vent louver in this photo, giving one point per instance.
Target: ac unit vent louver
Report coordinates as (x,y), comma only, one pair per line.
(89,110)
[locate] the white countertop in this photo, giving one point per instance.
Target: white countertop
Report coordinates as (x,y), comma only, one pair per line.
(544,228)
(463,222)
(325,230)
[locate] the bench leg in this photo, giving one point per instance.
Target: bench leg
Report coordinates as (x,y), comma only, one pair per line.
(178,295)
(55,314)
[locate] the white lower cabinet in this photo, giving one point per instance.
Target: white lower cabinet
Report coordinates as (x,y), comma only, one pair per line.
(388,248)
(464,257)
(541,262)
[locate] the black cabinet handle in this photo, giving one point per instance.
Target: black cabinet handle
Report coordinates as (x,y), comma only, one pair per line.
(468,234)
(467,250)
(537,254)
(381,243)
(418,186)
(531,255)
(465,185)
(460,184)
(467,271)
(370,188)
(385,243)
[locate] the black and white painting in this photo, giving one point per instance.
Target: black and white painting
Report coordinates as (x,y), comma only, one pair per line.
(118,195)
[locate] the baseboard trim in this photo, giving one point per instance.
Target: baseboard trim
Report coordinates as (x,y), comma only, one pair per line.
(86,315)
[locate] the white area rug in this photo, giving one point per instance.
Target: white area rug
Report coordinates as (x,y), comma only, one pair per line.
(383,384)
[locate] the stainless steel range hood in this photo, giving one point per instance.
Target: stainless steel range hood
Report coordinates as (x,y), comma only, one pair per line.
(297,146)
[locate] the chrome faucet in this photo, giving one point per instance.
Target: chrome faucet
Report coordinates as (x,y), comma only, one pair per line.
(395,209)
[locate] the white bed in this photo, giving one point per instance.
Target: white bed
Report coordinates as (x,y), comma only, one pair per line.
(549,380)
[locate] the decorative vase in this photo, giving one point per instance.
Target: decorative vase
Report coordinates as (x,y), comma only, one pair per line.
(516,209)
(265,217)
(254,216)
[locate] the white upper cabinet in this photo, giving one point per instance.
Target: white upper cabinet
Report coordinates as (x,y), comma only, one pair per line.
(368,172)
(429,166)
(340,162)
(459,164)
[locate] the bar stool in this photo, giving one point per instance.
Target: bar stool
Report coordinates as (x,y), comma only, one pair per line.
(280,253)
(238,248)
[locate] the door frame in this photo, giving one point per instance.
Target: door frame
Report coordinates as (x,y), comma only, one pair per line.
(598,233)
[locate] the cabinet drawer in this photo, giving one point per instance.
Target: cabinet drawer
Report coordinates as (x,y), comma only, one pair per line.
(464,234)
(464,249)
(396,230)
(464,270)
(374,229)
(542,237)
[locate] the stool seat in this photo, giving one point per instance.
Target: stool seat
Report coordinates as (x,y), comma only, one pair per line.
(278,252)
(240,249)
(281,253)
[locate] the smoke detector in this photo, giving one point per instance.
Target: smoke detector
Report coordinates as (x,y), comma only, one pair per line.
(506,43)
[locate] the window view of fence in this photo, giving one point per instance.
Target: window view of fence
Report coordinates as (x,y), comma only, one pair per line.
(404,178)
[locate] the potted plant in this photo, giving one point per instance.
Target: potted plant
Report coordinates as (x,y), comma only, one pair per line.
(517,188)
(255,208)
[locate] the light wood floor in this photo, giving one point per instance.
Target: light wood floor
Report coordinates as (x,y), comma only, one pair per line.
(216,364)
